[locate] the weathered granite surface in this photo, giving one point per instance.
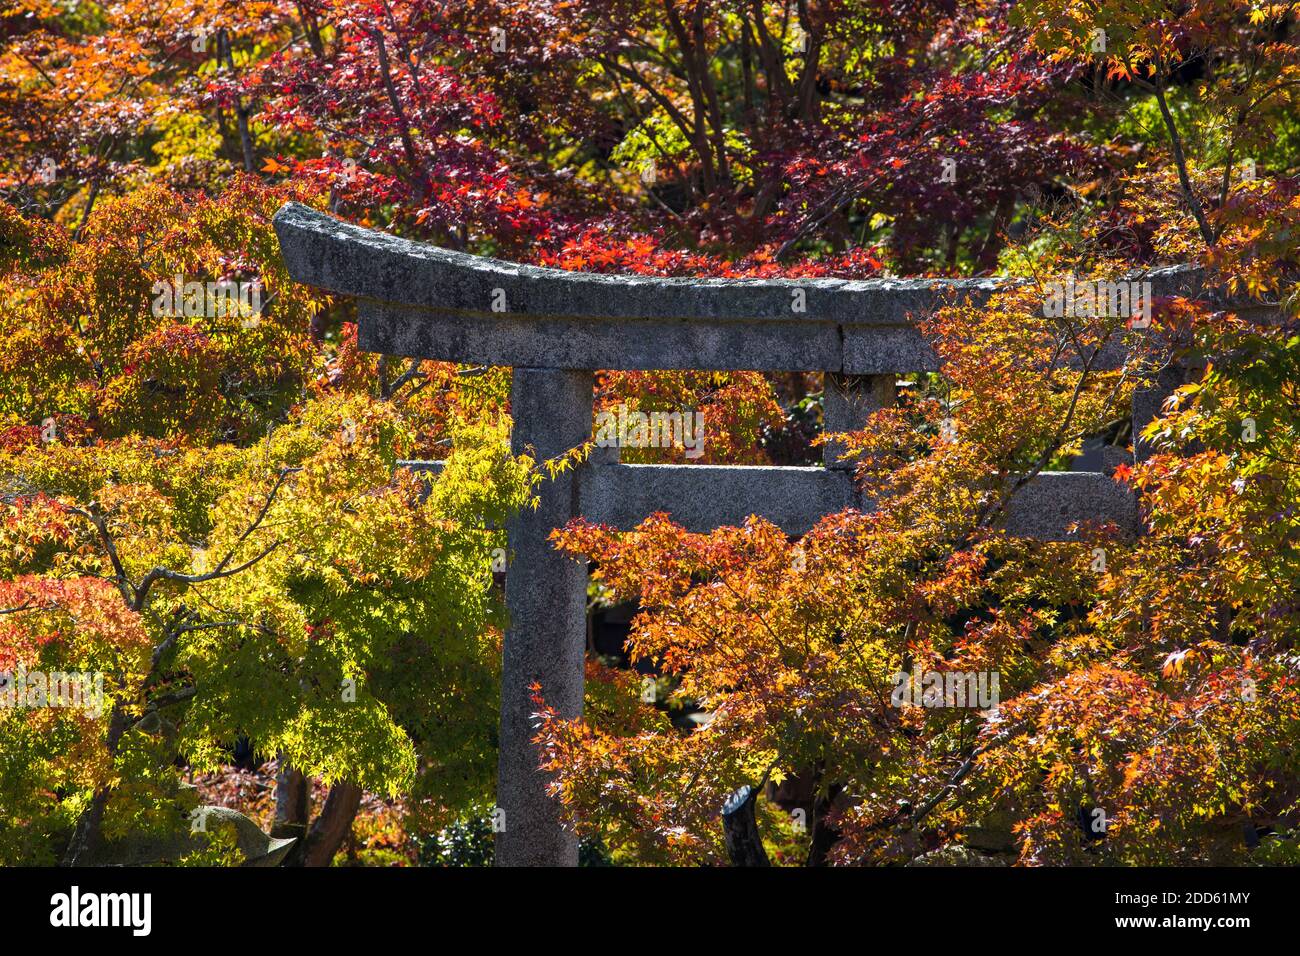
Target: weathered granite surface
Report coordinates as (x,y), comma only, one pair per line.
(418,299)
(704,497)
(546,595)
(847,402)
(578,343)
(330,254)
(1046,507)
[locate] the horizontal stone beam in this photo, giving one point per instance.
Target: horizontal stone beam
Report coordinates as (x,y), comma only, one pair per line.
(422,301)
(703,497)
(580,343)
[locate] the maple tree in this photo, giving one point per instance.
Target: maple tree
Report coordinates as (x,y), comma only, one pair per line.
(209,515)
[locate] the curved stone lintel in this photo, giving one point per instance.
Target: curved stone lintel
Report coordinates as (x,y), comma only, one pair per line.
(331,254)
(421,300)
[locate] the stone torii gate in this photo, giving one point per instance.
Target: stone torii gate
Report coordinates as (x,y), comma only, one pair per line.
(555,329)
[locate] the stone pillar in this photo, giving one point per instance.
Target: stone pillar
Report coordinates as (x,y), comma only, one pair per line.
(1148,401)
(847,401)
(546,593)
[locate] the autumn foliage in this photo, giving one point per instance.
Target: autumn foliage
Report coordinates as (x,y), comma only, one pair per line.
(204,503)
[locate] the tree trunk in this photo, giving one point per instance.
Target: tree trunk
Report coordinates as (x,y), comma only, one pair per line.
(290,803)
(823,836)
(740,827)
(224,48)
(331,826)
(89,830)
